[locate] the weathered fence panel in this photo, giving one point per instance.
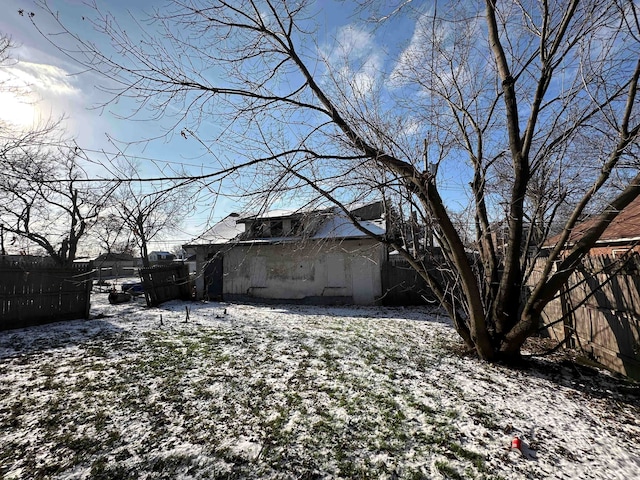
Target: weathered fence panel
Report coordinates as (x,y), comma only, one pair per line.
(598,312)
(401,284)
(165,282)
(34,293)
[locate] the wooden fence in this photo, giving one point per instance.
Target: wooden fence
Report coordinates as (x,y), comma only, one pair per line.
(401,284)
(37,292)
(166,282)
(598,312)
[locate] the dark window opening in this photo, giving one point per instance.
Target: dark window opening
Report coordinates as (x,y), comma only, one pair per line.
(258,230)
(277,229)
(296,227)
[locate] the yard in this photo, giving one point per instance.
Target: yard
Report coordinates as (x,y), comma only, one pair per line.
(240,391)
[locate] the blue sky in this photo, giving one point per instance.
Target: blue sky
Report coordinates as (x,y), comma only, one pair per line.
(60,89)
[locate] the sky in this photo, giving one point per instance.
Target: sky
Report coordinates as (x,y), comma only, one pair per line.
(59,88)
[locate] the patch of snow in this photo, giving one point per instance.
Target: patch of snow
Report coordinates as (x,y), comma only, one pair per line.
(327,391)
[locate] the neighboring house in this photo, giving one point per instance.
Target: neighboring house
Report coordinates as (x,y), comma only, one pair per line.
(305,257)
(116,264)
(158,257)
(622,234)
(23,258)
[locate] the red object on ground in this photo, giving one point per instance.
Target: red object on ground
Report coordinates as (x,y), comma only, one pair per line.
(516,443)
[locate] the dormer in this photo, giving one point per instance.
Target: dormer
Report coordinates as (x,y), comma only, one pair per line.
(277,224)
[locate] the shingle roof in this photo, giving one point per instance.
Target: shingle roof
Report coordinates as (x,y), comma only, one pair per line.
(626,226)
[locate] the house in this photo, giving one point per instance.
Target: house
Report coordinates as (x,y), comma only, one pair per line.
(159,256)
(315,256)
(116,264)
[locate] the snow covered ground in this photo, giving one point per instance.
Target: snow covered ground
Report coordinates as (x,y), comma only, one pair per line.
(242,391)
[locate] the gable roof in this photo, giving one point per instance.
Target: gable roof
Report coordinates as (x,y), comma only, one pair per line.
(222,232)
(624,228)
(333,225)
(114,257)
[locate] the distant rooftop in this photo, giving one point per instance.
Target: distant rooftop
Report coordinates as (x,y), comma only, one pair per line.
(625,227)
(114,257)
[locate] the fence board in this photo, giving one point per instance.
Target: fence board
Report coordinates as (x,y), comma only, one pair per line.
(33,293)
(606,325)
(402,285)
(165,282)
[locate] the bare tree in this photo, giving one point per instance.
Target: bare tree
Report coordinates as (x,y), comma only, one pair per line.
(146,210)
(112,234)
(514,97)
(43,199)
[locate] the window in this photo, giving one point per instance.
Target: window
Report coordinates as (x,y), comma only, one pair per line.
(258,229)
(296,227)
(276,228)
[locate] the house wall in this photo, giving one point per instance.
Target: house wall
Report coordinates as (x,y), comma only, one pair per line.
(316,272)
(115,268)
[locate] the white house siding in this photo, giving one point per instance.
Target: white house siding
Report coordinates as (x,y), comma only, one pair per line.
(347,271)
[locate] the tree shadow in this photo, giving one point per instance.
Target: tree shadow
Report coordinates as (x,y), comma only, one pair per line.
(54,336)
(586,379)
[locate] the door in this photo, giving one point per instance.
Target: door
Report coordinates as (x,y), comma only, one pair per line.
(213,278)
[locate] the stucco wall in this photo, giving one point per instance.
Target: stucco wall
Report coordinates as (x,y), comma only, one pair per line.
(347,271)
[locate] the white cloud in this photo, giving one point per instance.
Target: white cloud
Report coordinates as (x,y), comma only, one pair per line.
(353,41)
(30,91)
(413,55)
(355,59)
(42,78)
(442,52)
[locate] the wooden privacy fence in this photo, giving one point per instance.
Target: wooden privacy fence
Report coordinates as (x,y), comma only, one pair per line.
(598,312)
(401,284)
(165,282)
(33,293)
